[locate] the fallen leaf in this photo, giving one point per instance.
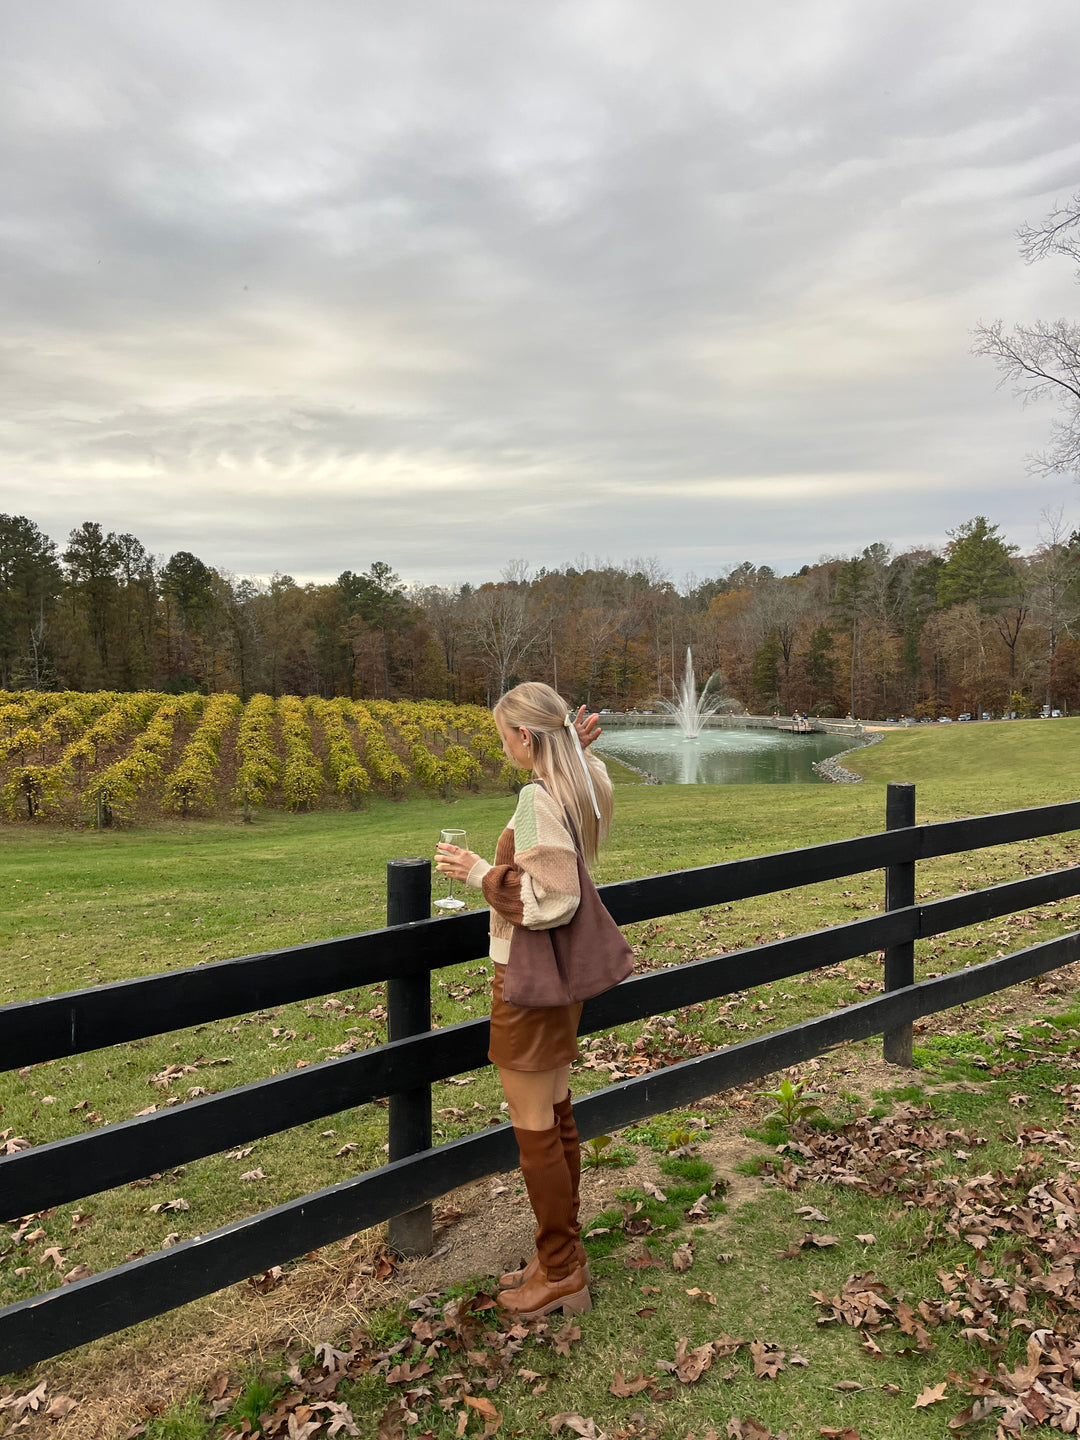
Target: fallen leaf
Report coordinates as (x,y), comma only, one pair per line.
(621,1387)
(485,1407)
(768,1360)
(578,1423)
(930,1396)
(682,1257)
(565,1337)
(80,1272)
(269,1280)
(61,1406)
(253,1174)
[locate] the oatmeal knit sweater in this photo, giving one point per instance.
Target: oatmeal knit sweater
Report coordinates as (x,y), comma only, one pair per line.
(534,881)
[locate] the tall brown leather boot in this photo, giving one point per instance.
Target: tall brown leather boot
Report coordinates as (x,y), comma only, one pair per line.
(571,1146)
(558,1282)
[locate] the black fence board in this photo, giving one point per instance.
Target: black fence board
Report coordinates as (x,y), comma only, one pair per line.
(630,1100)
(59,1025)
(80,1020)
(33,1330)
(81,1165)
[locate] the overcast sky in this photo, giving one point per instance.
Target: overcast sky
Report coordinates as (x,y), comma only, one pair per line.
(301,286)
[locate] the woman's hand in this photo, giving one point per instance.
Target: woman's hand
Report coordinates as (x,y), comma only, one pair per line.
(587,727)
(453,861)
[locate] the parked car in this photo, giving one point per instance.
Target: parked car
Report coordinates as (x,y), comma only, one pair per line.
(965,716)
(945,720)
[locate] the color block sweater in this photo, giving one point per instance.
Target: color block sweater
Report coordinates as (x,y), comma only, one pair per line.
(534,881)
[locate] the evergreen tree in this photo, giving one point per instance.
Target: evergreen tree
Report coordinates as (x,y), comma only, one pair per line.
(978,567)
(30,581)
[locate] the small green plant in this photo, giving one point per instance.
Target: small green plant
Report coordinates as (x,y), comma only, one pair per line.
(679,1138)
(687,1167)
(592,1152)
(257,1396)
(793,1102)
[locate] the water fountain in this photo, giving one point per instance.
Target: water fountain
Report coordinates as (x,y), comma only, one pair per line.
(691,710)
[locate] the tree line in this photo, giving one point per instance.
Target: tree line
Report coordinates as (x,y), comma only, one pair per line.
(976,626)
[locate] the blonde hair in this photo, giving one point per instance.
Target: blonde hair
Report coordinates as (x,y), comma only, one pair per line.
(557,756)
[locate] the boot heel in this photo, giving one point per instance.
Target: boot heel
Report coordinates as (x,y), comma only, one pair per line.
(578,1304)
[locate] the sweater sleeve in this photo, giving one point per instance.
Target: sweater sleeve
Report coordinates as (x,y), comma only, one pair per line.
(539,888)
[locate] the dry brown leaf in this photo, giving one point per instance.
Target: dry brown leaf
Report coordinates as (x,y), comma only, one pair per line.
(217,1385)
(267,1281)
(578,1423)
(768,1359)
(565,1338)
(930,1395)
(682,1257)
(751,1429)
(621,1387)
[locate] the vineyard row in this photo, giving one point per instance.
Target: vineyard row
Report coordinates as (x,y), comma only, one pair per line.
(110,756)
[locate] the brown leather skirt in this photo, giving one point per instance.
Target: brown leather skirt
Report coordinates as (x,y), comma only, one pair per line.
(531,1039)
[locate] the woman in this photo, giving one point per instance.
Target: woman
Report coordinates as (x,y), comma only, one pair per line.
(534,883)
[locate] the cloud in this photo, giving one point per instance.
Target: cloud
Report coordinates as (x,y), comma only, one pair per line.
(293,289)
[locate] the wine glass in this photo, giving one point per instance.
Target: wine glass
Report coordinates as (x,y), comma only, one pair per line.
(449,900)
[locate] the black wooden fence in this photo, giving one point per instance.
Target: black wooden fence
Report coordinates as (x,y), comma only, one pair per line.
(409,1063)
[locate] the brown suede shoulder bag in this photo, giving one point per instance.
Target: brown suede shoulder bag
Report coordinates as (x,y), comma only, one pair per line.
(571,962)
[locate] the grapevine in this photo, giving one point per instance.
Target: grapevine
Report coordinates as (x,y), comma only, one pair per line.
(114,790)
(192,782)
(381,761)
(303,778)
(259,769)
(349,776)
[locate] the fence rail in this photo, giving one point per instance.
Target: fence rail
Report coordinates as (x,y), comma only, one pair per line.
(405,1067)
(69,1024)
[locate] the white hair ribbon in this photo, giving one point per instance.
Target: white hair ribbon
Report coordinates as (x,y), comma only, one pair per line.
(569,723)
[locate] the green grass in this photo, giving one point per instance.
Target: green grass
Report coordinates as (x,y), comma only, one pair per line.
(79,908)
(742,1283)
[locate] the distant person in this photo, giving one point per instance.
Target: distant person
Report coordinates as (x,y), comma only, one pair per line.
(534,883)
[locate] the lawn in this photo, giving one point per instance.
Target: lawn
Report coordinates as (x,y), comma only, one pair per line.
(80,908)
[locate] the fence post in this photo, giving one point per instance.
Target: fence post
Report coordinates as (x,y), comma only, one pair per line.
(408,898)
(899,893)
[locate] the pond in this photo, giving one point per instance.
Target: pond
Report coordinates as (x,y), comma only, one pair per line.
(722,756)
